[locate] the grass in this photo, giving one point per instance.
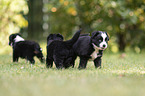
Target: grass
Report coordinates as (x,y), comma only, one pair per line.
(120,76)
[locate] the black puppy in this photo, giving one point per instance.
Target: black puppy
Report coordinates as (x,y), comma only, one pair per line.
(25,49)
(91,47)
(50,38)
(61,52)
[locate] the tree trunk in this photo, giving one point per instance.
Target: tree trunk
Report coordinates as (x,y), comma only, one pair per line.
(35,19)
(121,42)
(84,23)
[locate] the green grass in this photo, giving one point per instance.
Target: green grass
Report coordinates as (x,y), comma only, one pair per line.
(118,77)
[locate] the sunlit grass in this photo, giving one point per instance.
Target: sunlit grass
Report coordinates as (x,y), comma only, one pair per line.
(119,76)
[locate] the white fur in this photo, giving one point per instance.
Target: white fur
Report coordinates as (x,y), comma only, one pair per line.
(94,54)
(18,38)
(103,42)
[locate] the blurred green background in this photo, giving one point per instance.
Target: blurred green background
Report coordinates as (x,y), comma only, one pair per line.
(124,20)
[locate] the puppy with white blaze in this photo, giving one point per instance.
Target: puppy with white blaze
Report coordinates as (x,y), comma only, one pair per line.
(91,48)
(25,49)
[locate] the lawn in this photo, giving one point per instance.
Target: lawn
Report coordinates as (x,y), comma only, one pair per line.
(119,76)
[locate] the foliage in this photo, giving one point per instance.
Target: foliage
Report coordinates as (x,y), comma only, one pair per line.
(122,19)
(123,77)
(11,18)
(127,21)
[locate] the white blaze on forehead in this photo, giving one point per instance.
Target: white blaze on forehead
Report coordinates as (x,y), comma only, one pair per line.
(104,36)
(18,38)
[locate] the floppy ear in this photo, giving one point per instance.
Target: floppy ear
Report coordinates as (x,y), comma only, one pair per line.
(95,33)
(108,36)
(36,52)
(50,35)
(36,48)
(11,39)
(59,35)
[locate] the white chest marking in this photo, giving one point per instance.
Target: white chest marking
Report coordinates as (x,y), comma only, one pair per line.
(94,54)
(18,38)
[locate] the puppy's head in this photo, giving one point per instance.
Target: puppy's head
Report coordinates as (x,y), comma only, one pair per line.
(38,53)
(53,37)
(100,40)
(13,38)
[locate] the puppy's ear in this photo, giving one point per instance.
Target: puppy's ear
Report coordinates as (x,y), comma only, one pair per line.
(11,39)
(59,35)
(108,36)
(95,33)
(50,35)
(36,52)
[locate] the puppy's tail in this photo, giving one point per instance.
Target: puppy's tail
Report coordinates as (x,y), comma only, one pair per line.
(74,38)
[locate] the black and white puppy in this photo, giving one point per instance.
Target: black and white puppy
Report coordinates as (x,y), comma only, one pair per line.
(61,52)
(91,47)
(25,49)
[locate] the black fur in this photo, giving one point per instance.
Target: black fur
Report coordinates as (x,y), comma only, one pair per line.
(84,48)
(61,52)
(53,37)
(25,49)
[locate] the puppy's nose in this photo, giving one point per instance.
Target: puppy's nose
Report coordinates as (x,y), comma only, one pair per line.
(104,45)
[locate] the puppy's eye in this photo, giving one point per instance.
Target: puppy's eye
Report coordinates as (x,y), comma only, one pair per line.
(106,39)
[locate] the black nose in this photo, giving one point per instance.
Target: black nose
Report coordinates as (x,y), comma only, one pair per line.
(104,45)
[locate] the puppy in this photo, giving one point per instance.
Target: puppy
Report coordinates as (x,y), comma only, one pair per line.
(61,52)
(25,49)
(91,47)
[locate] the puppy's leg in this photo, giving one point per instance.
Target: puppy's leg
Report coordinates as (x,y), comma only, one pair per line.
(49,63)
(73,61)
(15,57)
(97,62)
(31,59)
(83,63)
